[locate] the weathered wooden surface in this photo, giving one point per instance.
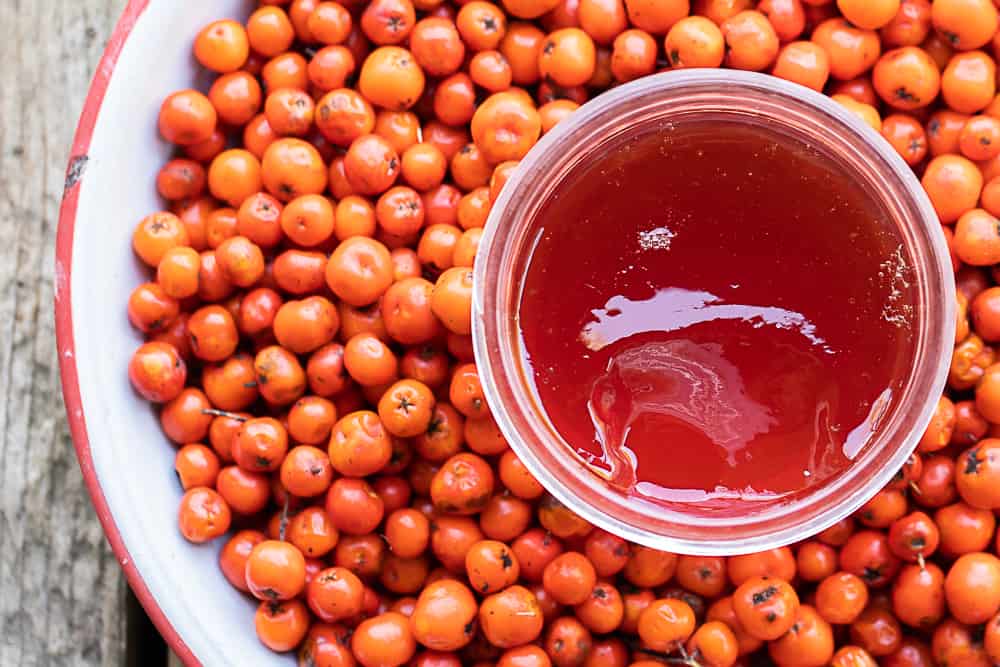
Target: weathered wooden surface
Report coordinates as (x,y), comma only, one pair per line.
(61,592)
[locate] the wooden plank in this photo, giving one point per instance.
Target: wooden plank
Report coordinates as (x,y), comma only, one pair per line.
(62,600)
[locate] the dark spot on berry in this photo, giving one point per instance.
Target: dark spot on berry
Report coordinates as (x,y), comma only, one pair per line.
(972,462)
(763,596)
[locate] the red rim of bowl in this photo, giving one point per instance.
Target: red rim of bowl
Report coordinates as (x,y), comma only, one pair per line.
(64,326)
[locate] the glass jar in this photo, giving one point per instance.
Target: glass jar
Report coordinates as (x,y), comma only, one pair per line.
(506,247)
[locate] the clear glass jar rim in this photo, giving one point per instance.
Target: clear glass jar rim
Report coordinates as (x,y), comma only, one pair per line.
(494,356)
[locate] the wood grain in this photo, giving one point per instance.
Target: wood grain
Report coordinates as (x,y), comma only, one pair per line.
(61,591)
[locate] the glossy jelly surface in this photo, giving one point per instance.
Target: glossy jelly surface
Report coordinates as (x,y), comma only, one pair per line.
(715,313)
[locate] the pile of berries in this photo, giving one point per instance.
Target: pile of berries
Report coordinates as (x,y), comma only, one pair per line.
(308,338)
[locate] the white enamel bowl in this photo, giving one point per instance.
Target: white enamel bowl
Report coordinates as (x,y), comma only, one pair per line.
(127,462)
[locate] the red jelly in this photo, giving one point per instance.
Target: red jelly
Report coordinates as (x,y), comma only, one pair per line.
(716,312)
